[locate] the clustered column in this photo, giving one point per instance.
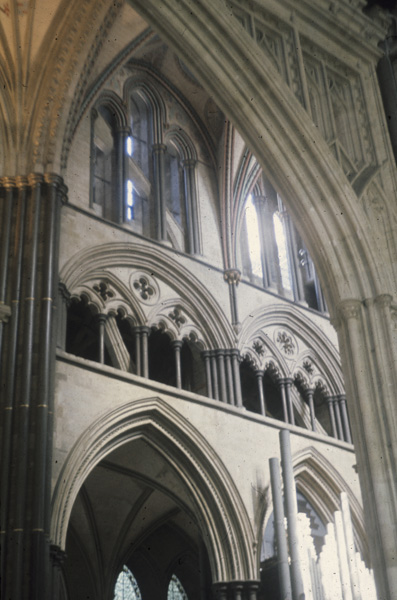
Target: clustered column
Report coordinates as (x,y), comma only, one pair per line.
(285,386)
(223,375)
(236,590)
(30,208)
(339,418)
(189,176)
(158,154)
(232,277)
(141,334)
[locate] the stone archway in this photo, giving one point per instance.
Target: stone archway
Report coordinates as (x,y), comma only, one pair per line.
(205,488)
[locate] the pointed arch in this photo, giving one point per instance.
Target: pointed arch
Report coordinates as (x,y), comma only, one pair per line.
(104,258)
(219,509)
(318,480)
(324,352)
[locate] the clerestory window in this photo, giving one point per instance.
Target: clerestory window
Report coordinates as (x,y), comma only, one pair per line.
(273,254)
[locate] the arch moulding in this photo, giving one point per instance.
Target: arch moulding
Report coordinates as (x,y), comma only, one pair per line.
(218,507)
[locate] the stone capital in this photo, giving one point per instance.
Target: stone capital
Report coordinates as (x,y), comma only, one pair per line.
(384,300)
(8,182)
(21,182)
(232,276)
(189,163)
(53,179)
(35,179)
(349,309)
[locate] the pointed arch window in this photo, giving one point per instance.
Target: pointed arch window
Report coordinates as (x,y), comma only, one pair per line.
(176,590)
(126,587)
(272,252)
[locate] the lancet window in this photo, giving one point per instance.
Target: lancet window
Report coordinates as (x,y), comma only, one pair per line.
(273,254)
(176,590)
(143,174)
(126,587)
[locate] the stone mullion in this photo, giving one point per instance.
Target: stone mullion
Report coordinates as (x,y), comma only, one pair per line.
(93,118)
(101,349)
(345,419)
(338,419)
(366,347)
(137,339)
(271,206)
(309,397)
(214,371)
(177,346)
(189,175)
(229,377)
(288,394)
(207,364)
(145,351)
(158,154)
(236,378)
(281,383)
(220,355)
(260,203)
(121,136)
(330,403)
(259,378)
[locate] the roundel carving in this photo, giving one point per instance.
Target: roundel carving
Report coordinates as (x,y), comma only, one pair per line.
(144,287)
(286,342)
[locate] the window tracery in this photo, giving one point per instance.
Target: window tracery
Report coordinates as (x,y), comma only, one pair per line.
(126,587)
(176,590)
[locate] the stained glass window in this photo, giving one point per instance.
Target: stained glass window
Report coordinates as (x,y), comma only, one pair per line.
(126,587)
(175,590)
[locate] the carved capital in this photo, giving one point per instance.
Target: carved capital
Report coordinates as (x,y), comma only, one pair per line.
(53,179)
(8,182)
(384,300)
(5,313)
(35,179)
(232,276)
(159,148)
(349,309)
(21,182)
(189,163)
(64,292)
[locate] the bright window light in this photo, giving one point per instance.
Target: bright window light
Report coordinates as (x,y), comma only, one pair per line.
(126,587)
(130,200)
(175,590)
(281,242)
(130,146)
(254,243)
